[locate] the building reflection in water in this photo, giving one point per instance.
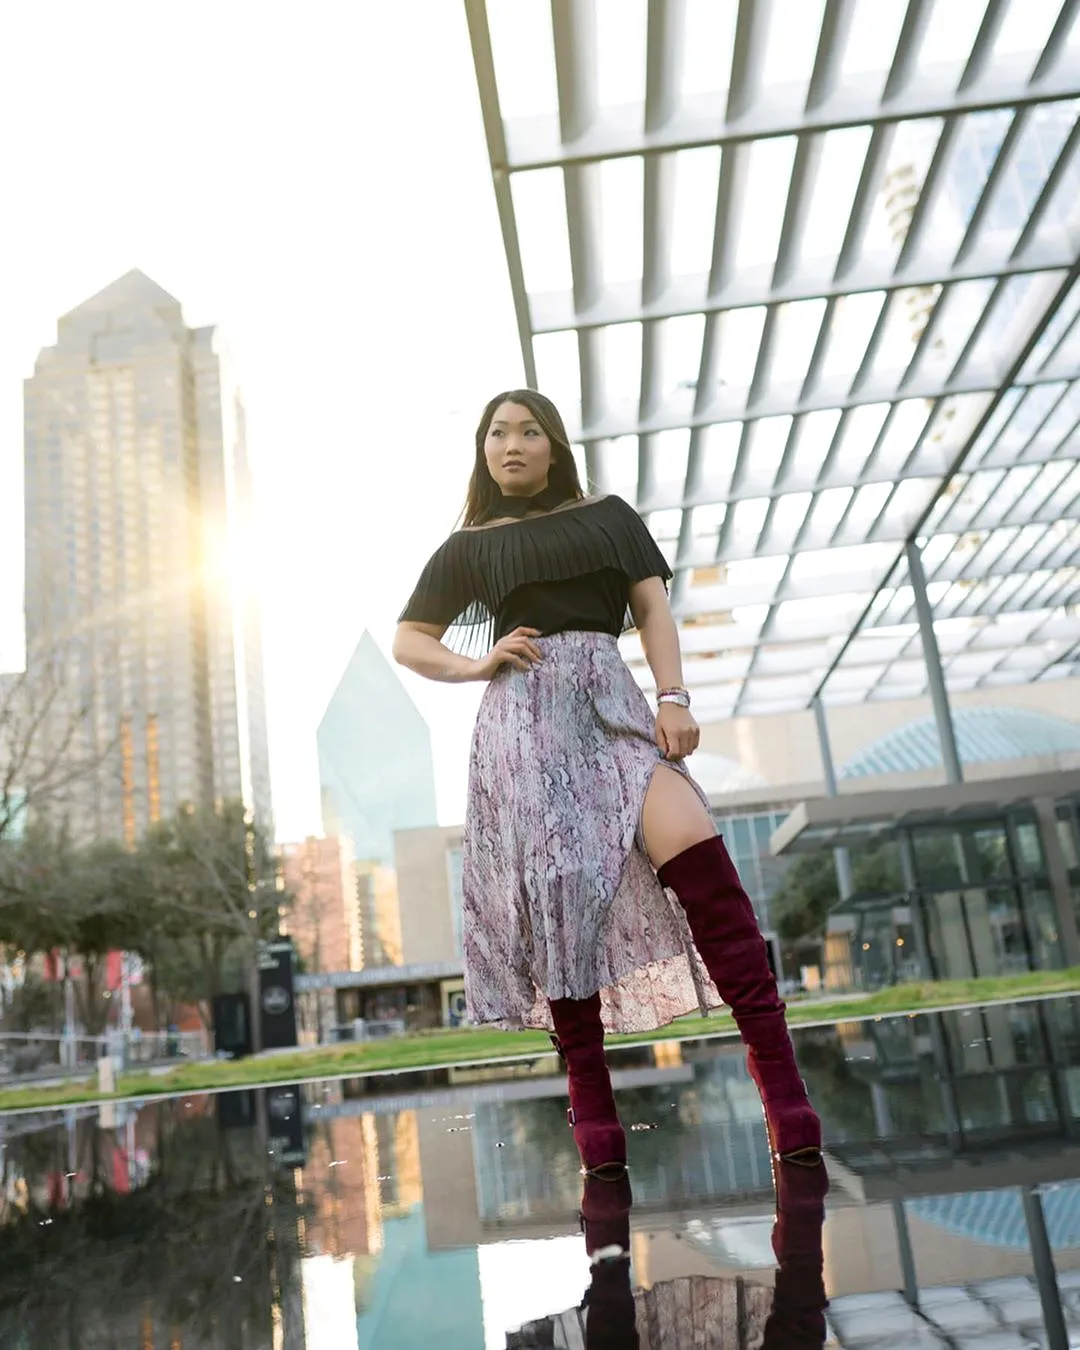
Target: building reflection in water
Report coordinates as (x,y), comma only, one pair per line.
(442,1207)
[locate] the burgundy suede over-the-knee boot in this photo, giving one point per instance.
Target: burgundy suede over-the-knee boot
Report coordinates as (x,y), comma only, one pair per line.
(726,933)
(579,1036)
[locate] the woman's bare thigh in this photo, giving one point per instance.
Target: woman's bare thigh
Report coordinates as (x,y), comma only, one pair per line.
(673,818)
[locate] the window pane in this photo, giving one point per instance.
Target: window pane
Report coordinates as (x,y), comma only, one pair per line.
(739,832)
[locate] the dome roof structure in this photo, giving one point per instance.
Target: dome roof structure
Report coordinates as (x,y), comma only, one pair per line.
(716,774)
(983,735)
(996,1218)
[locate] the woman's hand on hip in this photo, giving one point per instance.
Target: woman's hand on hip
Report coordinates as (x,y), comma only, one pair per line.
(677,734)
(516,649)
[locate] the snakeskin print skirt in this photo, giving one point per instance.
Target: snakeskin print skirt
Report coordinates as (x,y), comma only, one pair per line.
(559,897)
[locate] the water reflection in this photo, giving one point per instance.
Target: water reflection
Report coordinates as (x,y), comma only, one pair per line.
(443,1208)
(161,1224)
(696,1310)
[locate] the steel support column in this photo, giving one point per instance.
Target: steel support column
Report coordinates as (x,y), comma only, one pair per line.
(1042,1255)
(841,856)
(1058,871)
(943,1065)
(915,903)
(939,698)
(906,1253)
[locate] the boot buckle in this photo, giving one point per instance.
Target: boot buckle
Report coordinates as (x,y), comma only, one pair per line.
(802,1157)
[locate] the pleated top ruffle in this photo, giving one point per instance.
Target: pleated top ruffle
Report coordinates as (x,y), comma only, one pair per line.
(466,581)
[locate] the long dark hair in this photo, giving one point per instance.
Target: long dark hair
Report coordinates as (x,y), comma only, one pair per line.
(484,492)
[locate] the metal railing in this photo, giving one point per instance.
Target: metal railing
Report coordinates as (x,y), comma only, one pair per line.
(31,1056)
(361,1030)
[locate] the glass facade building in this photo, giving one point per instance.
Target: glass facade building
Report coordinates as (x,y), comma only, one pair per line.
(747,838)
(375,766)
(972,898)
(139,584)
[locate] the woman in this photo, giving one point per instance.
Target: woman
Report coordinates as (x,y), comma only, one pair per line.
(582,819)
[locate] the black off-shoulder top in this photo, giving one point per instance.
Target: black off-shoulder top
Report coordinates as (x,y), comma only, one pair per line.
(568,569)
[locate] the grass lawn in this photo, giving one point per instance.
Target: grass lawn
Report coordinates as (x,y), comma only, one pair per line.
(430,1049)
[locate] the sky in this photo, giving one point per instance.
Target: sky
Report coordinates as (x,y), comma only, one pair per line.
(319,187)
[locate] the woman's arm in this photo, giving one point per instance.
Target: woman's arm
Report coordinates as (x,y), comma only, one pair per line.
(659,636)
(677,733)
(418,647)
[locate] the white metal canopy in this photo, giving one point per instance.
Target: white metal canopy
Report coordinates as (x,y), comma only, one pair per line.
(803,276)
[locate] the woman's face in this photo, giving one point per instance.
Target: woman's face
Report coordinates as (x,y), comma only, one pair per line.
(517,451)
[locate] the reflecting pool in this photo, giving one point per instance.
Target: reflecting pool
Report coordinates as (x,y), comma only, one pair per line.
(444,1208)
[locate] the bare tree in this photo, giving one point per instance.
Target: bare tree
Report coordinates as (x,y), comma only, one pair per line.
(50,757)
(216,879)
(44,761)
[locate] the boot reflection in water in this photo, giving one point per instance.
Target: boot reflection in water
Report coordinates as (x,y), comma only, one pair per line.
(726,934)
(797,1320)
(610,1319)
(697,1310)
(605,1215)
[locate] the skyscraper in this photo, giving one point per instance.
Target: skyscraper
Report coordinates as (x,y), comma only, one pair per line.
(325,919)
(375,766)
(138,566)
(241,753)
